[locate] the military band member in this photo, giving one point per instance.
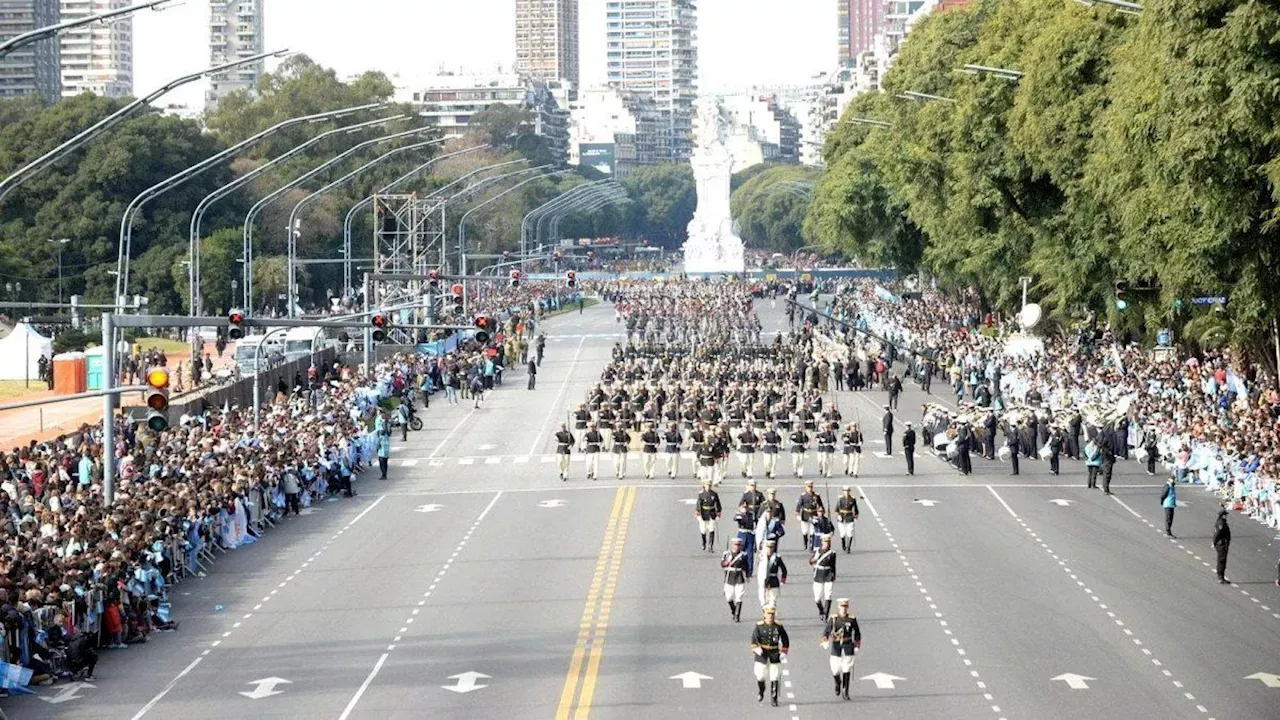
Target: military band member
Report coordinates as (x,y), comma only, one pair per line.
(747,440)
(772,445)
(826,449)
(852,449)
(805,505)
(736,573)
(846,515)
(594,443)
(843,636)
(799,450)
(649,438)
(769,642)
(564,441)
(621,441)
(824,576)
(772,575)
(707,510)
(671,449)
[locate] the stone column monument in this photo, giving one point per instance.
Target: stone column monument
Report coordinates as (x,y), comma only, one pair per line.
(712,246)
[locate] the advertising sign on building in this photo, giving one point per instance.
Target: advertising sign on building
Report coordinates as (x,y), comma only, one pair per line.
(599,156)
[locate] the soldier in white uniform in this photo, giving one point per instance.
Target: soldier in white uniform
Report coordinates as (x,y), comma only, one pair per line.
(747,440)
(736,573)
(772,575)
(824,576)
(564,441)
(671,449)
(593,440)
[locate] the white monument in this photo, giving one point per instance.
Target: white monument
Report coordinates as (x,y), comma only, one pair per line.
(712,247)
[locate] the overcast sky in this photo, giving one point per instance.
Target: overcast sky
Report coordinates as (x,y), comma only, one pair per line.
(741,42)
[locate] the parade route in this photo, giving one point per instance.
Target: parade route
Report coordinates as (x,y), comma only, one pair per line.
(474,583)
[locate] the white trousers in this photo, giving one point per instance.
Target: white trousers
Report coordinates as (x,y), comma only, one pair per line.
(845,528)
(562,462)
(593,464)
(824,464)
(734,593)
(650,460)
(673,463)
(797,463)
(768,596)
(821,591)
(841,664)
(706,526)
(851,463)
(771,464)
(620,464)
(747,461)
(768,671)
(806,527)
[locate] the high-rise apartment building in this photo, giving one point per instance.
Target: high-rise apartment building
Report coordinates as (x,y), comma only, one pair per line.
(32,69)
(859,21)
(547,40)
(235,32)
(97,58)
(653,53)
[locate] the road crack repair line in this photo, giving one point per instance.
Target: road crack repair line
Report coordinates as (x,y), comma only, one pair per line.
(937,614)
(1111,615)
(413,614)
(246,616)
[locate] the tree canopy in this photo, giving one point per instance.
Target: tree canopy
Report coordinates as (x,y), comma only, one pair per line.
(770,203)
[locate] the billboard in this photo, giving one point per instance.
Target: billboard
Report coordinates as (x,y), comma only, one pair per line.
(599,156)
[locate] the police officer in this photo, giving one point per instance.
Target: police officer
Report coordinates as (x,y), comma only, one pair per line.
(707,510)
(909,448)
(823,561)
(886,422)
(846,515)
(773,575)
(799,450)
(844,637)
(564,441)
(1013,442)
(650,440)
(671,448)
(826,449)
(771,447)
(747,440)
(594,441)
(736,573)
(769,642)
(852,449)
(1222,544)
(806,504)
(822,526)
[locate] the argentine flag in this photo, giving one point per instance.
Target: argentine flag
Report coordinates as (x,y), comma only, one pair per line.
(15,678)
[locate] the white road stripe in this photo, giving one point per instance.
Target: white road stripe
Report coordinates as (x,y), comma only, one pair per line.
(564,385)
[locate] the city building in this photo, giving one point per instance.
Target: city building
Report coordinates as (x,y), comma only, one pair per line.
(652,51)
(761,130)
(236,31)
(547,40)
(616,132)
(97,58)
(32,69)
(859,21)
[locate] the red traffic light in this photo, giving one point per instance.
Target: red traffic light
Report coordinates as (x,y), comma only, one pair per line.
(433,278)
(571,278)
(482,322)
(236,317)
(457,289)
(235,320)
(379,321)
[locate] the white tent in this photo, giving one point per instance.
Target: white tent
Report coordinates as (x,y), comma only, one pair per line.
(23,342)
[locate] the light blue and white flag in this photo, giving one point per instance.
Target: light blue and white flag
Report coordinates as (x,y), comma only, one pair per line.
(15,678)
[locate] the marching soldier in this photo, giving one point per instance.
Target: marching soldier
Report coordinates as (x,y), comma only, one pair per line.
(721,446)
(672,440)
(736,573)
(707,512)
(799,450)
(581,418)
(697,438)
(844,637)
(752,498)
(824,576)
(774,506)
(769,642)
(770,528)
(650,440)
(594,440)
(822,527)
(773,575)
(564,441)
(846,515)
(852,449)
(772,444)
(808,502)
(747,440)
(621,441)
(706,452)
(746,521)
(826,448)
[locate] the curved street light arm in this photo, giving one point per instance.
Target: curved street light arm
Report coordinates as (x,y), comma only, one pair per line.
(462,224)
(47,33)
(548,217)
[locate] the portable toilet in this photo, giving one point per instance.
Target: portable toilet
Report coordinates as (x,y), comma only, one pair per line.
(68,373)
(93,368)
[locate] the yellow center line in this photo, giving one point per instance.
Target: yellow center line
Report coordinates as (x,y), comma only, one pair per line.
(597,646)
(588,612)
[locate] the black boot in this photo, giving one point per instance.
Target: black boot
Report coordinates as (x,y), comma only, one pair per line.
(737,614)
(732,608)
(845,677)
(704,541)
(837,679)
(759,691)
(711,543)
(826,612)
(820,614)
(806,542)
(773,693)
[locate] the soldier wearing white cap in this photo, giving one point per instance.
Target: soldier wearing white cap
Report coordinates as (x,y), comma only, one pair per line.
(769,642)
(772,575)
(843,636)
(736,572)
(824,576)
(846,515)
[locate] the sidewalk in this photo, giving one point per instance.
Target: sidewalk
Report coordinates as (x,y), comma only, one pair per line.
(46,422)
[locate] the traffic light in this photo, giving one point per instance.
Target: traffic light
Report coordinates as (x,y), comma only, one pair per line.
(459,296)
(235,330)
(515,278)
(482,329)
(571,279)
(556,256)
(506,255)
(158,399)
(433,280)
(380,324)
(1122,294)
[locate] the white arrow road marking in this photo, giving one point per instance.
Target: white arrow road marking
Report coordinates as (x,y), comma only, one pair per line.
(466,682)
(1074,681)
(1060,502)
(265,688)
(1271,681)
(552,503)
(690,501)
(429,507)
(66,693)
(1183,503)
(883,681)
(690,680)
(486,447)
(926,503)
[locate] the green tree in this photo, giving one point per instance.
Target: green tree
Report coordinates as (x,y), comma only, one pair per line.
(771,204)
(665,197)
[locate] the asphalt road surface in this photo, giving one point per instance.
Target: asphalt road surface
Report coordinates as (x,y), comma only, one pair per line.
(474,583)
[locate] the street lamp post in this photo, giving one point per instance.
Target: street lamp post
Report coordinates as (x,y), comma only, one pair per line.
(558,201)
(52,31)
(462,224)
(61,243)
